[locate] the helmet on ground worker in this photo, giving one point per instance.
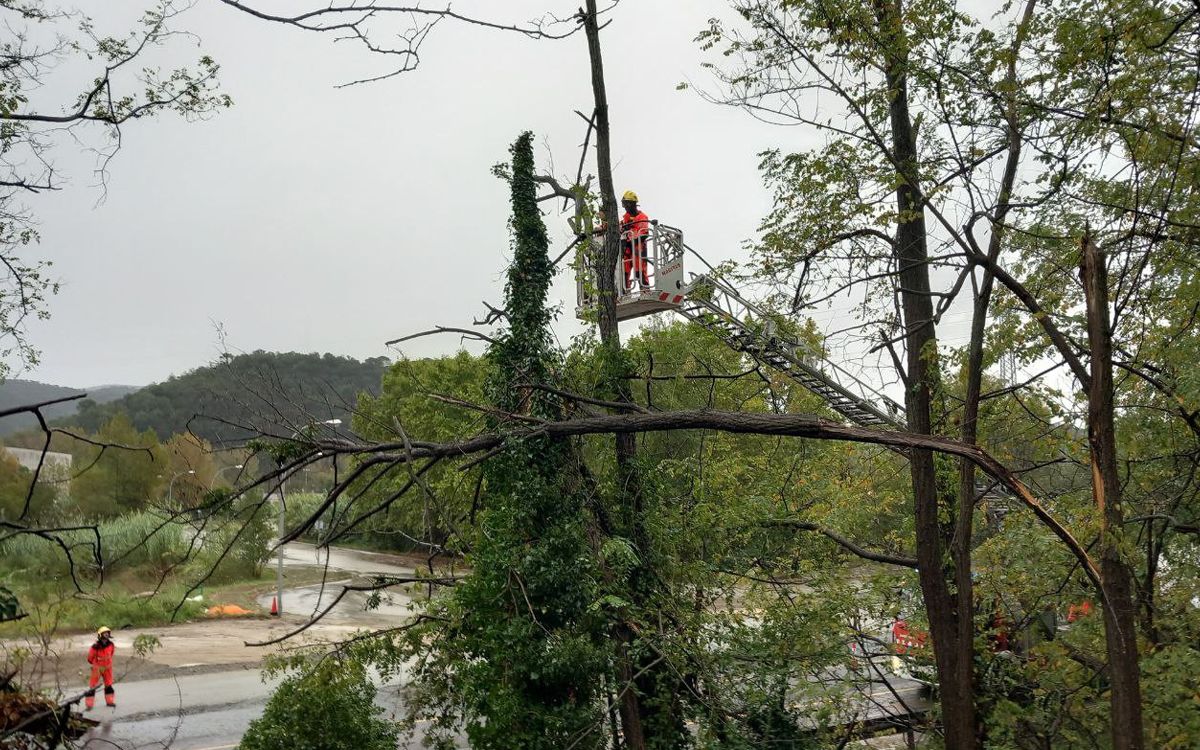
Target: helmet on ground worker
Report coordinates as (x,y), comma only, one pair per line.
(630,196)
(103,629)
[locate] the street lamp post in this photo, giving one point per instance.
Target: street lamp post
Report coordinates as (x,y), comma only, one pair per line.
(213,483)
(282,525)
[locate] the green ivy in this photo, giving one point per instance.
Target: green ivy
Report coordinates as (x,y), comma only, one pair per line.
(521,659)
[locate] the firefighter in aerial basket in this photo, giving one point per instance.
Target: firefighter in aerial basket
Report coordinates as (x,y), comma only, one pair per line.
(100,656)
(635,236)
(635,242)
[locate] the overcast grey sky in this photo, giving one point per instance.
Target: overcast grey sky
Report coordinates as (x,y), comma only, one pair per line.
(312,218)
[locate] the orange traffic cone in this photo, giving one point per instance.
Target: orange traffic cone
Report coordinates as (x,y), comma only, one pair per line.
(274,607)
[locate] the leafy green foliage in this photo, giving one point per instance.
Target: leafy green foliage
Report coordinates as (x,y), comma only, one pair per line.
(145,644)
(121,478)
(403,403)
(328,706)
(236,545)
(14,492)
(150,544)
(711,508)
(1086,105)
(10,607)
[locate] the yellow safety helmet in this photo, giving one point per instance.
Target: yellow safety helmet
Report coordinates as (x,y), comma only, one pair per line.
(103,629)
(630,196)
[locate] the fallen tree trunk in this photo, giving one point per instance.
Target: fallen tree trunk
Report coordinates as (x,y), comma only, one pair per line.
(785,425)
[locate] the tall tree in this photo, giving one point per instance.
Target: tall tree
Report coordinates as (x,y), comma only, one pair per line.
(614,383)
(518,646)
(999,140)
(901,203)
(119,470)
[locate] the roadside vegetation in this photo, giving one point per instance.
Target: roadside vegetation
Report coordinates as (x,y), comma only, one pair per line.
(132,548)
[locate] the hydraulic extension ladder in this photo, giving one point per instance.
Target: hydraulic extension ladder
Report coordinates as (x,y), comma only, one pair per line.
(718,307)
(714,304)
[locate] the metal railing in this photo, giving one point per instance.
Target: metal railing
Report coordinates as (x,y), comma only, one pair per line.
(664,251)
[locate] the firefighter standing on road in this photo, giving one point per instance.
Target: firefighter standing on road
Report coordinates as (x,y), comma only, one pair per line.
(100,656)
(635,233)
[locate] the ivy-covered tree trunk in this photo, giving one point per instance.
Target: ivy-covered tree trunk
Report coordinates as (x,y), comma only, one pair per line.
(946,607)
(527,649)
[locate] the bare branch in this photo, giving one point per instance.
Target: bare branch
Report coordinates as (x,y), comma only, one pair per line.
(466,333)
(863,552)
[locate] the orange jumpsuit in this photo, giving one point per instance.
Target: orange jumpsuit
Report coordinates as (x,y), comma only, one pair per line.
(100,656)
(635,230)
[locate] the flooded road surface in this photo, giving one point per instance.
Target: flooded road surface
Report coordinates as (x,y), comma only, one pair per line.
(345,566)
(345,560)
(354,607)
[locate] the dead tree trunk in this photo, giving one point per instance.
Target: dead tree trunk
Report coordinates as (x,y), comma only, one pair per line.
(1120,627)
(614,379)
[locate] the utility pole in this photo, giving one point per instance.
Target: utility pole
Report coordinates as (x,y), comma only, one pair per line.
(279,560)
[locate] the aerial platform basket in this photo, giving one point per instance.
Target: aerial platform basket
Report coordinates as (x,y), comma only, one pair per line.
(666,291)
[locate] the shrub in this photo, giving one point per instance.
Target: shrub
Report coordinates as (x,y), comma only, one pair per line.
(300,507)
(138,541)
(132,611)
(144,542)
(52,609)
(331,707)
(236,544)
(36,556)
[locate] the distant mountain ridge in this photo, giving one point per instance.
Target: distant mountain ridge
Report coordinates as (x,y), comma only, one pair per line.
(19,392)
(262,390)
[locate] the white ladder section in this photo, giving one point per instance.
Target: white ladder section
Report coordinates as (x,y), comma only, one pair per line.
(718,307)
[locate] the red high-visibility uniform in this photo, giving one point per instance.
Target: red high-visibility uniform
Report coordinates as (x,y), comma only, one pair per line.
(635,229)
(1078,611)
(100,656)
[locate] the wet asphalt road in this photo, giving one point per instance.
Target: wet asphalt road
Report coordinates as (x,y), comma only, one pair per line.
(212,711)
(342,564)
(193,712)
(188,713)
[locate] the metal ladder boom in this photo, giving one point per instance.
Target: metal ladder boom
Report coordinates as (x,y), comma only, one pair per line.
(718,307)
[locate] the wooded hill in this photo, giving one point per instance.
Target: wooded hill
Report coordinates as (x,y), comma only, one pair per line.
(22,392)
(260,388)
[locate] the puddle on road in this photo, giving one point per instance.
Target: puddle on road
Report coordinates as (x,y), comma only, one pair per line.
(312,600)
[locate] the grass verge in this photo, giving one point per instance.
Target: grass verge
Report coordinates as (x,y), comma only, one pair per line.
(131,601)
